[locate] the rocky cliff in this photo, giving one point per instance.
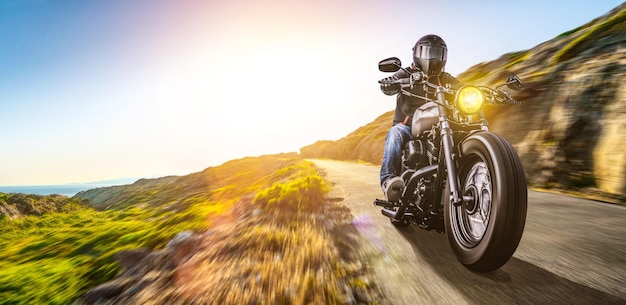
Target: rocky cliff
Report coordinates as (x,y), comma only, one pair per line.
(568,131)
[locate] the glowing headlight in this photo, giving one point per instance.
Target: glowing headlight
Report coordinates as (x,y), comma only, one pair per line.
(469,100)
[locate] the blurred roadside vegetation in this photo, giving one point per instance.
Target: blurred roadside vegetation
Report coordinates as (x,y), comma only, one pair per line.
(54,257)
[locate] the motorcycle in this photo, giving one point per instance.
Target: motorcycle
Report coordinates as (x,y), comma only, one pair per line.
(459,177)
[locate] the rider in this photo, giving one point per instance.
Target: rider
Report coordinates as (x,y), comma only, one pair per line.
(429,56)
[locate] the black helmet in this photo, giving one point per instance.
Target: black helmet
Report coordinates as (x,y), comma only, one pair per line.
(430,54)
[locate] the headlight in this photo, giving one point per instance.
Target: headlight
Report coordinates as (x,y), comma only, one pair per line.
(469,100)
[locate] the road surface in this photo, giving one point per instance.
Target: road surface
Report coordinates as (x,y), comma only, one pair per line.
(573,251)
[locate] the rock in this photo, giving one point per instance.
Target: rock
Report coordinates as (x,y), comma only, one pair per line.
(9,210)
(130,258)
(105,291)
(184,246)
(180,238)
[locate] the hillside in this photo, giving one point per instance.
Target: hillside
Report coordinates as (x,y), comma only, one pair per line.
(230,180)
(19,205)
(365,143)
(256,229)
(568,129)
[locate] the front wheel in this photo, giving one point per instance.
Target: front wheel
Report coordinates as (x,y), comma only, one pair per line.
(485,230)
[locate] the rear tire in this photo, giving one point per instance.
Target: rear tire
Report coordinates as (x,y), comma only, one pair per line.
(485,232)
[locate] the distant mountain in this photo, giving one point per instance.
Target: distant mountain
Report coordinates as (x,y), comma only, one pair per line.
(110,182)
(569,130)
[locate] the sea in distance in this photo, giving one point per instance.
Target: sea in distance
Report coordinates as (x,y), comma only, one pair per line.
(68,190)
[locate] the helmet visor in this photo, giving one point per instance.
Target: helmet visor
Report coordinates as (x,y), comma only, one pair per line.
(431,52)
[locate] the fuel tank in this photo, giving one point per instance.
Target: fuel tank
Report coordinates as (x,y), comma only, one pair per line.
(424,118)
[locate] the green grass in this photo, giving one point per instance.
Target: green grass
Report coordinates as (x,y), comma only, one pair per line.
(50,259)
(567,33)
(54,258)
(517,58)
(615,24)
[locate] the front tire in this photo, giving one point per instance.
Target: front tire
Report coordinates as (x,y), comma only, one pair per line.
(484,232)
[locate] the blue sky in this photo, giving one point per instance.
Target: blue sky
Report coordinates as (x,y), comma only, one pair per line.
(97,90)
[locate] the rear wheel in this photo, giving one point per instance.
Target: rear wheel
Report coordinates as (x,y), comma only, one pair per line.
(485,230)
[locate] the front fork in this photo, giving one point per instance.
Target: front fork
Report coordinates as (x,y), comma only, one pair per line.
(447,151)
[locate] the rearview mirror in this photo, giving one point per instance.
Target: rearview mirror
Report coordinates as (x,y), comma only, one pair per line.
(391,64)
(513,82)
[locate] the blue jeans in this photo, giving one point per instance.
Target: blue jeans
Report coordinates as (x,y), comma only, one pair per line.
(397,135)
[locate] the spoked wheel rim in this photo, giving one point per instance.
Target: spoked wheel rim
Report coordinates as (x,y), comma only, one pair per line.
(485,229)
(473,215)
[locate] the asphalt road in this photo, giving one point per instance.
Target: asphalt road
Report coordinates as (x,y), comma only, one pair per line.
(573,251)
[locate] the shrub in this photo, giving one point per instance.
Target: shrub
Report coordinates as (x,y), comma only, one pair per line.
(301,193)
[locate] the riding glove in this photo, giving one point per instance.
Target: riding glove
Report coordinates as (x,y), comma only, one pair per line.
(387,87)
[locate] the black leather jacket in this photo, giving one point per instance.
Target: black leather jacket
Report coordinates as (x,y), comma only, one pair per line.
(406,105)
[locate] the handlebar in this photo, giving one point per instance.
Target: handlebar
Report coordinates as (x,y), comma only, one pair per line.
(417,78)
(498,96)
